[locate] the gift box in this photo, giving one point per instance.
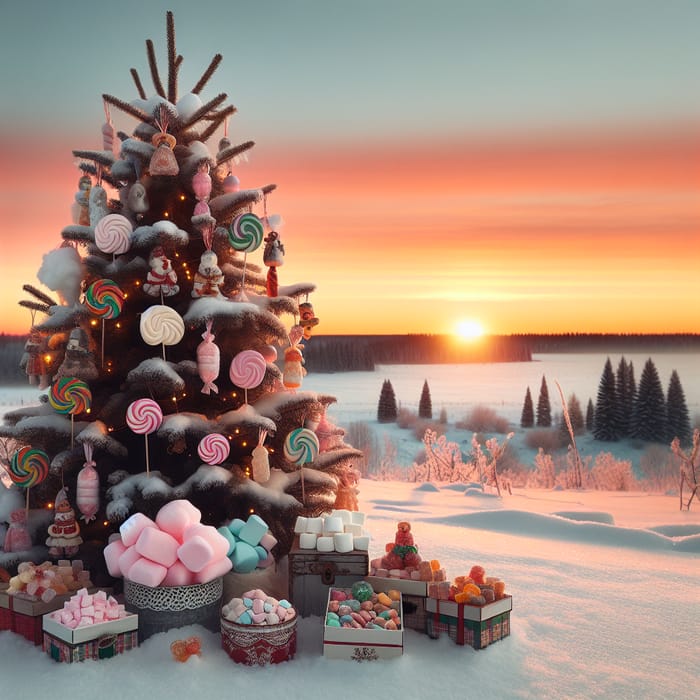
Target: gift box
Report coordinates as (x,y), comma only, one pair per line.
(362,644)
(313,573)
(476,626)
(23,615)
(259,645)
(99,641)
(407,586)
(162,608)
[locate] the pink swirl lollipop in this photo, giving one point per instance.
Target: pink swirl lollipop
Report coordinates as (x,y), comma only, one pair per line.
(144,416)
(70,395)
(113,234)
(29,467)
(213,448)
(104,298)
(248,369)
(301,446)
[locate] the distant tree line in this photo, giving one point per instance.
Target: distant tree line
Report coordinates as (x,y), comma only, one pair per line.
(611,342)
(348,353)
(11,351)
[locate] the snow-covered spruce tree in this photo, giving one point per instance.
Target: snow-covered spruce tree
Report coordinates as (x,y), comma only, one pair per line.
(527,416)
(159,219)
(605,421)
(544,407)
(590,415)
(649,415)
(425,405)
(678,420)
(387,410)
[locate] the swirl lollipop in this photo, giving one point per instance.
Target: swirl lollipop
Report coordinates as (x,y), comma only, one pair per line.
(245,235)
(105,299)
(213,448)
(161,324)
(70,395)
(144,416)
(28,467)
(301,446)
(247,370)
(113,234)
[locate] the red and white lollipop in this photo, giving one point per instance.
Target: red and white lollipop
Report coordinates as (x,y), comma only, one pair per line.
(213,448)
(144,416)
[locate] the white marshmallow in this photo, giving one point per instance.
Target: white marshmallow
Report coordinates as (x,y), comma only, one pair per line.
(307,540)
(325,544)
(343,542)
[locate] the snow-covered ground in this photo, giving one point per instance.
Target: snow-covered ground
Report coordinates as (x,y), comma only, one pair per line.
(605,605)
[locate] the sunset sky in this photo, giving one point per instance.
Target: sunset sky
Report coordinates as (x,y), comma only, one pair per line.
(533,165)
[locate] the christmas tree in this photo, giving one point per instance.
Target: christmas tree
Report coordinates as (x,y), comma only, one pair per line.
(173,361)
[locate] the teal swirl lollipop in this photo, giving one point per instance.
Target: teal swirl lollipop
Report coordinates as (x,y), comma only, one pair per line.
(246,233)
(301,446)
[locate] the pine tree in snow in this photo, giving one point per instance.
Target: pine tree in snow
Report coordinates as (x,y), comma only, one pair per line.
(527,416)
(677,412)
(386,408)
(425,405)
(625,393)
(157,288)
(649,415)
(590,415)
(605,422)
(544,407)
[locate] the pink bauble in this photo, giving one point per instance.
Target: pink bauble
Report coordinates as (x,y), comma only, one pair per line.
(231,184)
(201,184)
(269,352)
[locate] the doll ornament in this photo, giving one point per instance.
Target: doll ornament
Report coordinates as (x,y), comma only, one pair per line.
(162,279)
(64,534)
(208,277)
(293,372)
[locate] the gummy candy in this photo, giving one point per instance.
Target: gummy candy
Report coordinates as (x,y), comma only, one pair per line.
(362,591)
(182,649)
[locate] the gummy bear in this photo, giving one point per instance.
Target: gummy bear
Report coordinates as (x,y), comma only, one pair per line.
(179,650)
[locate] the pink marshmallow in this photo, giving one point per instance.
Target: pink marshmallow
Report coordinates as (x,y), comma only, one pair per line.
(127,560)
(176,516)
(111,553)
(146,572)
(217,568)
(195,553)
(131,528)
(268,541)
(158,546)
(178,575)
(216,540)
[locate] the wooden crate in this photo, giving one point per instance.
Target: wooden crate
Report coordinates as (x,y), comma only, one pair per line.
(312,573)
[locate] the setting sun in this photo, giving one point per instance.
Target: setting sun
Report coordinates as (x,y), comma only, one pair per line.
(469,329)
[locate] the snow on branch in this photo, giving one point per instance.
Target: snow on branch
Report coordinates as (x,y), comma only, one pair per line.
(158,375)
(96,434)
(160,233)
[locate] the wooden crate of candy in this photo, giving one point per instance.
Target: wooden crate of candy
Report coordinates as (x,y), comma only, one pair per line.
(37,590)
(363,625)
(327,551)
(476,626)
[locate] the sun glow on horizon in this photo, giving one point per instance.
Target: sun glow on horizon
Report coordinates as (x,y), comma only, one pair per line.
(469,329)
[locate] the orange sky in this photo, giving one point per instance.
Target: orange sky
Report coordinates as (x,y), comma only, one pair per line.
(563,232)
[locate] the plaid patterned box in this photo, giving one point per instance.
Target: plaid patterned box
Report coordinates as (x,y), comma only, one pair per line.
(104,647)
(99,641)
(471,625)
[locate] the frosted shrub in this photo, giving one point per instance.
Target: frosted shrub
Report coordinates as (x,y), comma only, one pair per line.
(442,460)
(361,436)
(547,439)
(482,419)
(611,474)
(659,469)
(544,475)
(487,464)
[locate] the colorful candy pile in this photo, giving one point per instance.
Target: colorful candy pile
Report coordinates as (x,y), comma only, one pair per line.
(360,607)
(341,531)
(249,544)
(45,581)
(425,571)
(85,609)
(257,608)
(175,550)
(474,589)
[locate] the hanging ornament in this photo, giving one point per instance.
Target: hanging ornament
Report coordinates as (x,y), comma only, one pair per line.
(105,299)
(78,360)
(163,161)
(97,204)
(295,334)
(294,371)
(81,207)
(70,395)
(307,320)
(208,360)
(110,142)
(64,534)
(88,489)
(209,277)
(161,279)
(137,200)
(273,257)
(17,538)
(261,460)
(35,366)
(231,184)
(144,417)
(113,234)
(201,185)
(161,324)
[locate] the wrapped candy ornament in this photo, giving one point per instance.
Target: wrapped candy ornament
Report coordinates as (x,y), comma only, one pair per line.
(17,538)
(201,186)
(88,488)
(294,371)
(208,361)
(163,161)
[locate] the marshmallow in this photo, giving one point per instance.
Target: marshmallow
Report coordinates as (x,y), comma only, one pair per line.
(112,552)
(244,558)
(357,518)
(307,540)
(178,575)
(131,528)
(195,553)
(325,544)
(362,543)
(253,531)
(218,543)
(332,524)
(314,525)
(300,525)
(342,541)
(158,546)
(174,517)
(147,572)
